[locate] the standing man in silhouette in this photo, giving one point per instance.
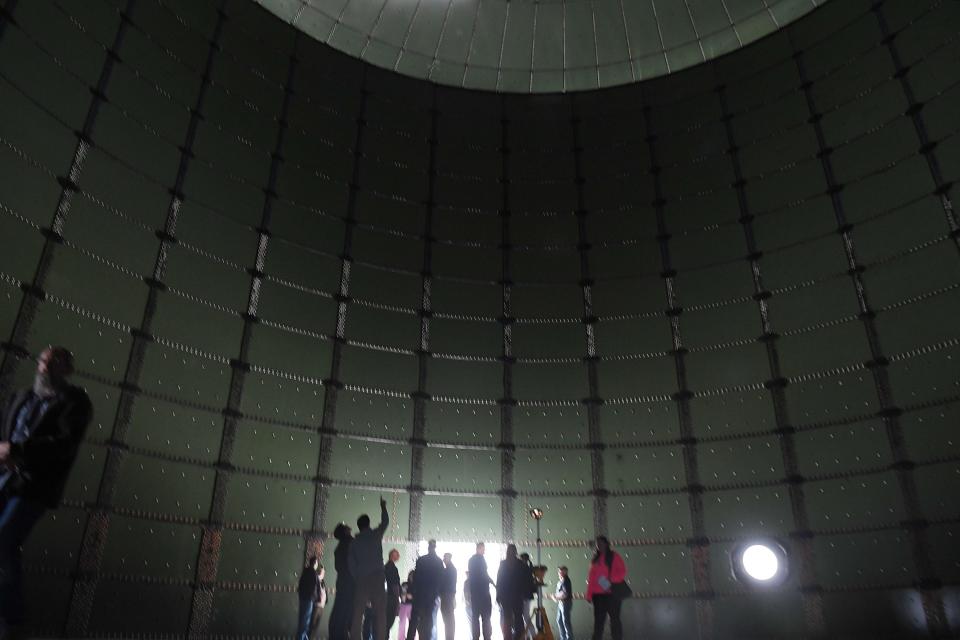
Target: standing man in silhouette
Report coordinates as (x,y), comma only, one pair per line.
(40,433)
(366,566)
(448,596)
(528,598)
(478,585)
(340,617)
(393,588)
(513,585)
(426,587)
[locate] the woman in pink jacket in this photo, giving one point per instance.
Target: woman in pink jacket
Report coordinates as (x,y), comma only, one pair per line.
(606,570)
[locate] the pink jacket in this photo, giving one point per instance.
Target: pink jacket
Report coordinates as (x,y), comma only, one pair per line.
(615,573)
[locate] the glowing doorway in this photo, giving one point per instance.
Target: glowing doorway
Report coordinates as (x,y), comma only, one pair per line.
(462,552)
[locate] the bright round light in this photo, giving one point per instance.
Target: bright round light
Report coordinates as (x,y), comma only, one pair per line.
(760,562)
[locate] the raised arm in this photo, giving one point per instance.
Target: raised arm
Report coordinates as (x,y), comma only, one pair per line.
(384,518)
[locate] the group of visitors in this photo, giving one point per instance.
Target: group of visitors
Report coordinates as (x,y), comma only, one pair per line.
(41,428)
(370,597)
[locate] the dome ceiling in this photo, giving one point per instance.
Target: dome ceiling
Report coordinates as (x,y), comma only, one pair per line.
(530,46)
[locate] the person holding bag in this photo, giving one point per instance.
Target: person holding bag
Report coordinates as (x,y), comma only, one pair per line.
(319,603)
(406,608)
(607,588)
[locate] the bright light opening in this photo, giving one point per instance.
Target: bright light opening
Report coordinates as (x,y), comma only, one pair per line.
(760,562)
(462,552)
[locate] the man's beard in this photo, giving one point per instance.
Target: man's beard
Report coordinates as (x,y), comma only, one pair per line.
(45,386)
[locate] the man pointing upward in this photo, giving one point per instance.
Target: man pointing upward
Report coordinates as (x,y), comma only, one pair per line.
(366,565)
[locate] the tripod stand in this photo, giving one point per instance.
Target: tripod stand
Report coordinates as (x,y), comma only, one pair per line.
(544,632)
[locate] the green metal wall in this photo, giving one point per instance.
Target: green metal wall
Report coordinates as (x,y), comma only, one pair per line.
(715,305)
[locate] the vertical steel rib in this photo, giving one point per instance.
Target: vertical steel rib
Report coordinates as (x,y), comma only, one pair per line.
(421,397)
(507,402)
(915,525)
(332,384)
(810,591)
(33,292)
(591,360)
(211,542)
(699,543)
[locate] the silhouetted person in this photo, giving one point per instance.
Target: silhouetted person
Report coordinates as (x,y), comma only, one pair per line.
(368,618)
(340,617)
(478,584)
(528,598)
(426,589)
(366,566)
(40,432)
(406,608)
(448,596)
(513,585)
(467,599)
(319,604)
(307,593)
(564,598)
(606,569)
(392,575)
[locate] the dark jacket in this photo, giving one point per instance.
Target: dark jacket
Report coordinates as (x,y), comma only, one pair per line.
(366,550)
(427,576)
(309,585)
(344,577)
(392,575)
(514,580)
(45,458)
(479,580)
(448,581)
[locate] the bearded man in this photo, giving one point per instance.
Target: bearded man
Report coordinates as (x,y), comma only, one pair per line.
(40,433)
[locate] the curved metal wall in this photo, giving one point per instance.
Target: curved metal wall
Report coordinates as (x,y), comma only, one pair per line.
(713,306)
